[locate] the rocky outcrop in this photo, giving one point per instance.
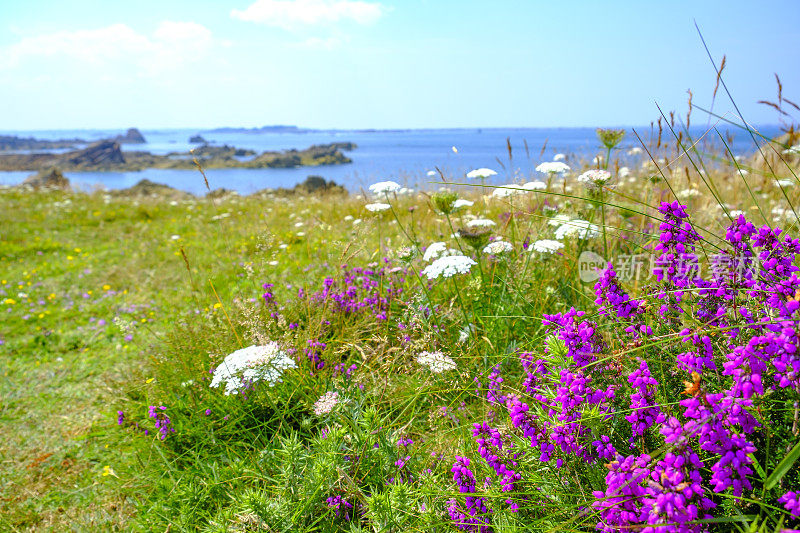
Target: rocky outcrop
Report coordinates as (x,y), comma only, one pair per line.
(147,188)
(311,185)
(12,142)
(52,178)
(132,136)
(108,156)
(100,155)
(197,139)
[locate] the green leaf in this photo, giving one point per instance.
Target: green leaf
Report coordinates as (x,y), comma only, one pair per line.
(783,467)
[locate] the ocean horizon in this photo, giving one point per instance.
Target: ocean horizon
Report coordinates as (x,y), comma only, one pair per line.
(402,155)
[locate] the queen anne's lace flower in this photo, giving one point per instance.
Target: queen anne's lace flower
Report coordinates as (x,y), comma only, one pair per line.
(481,173)
(446,267)
(558,220)
(458,204)
(553,167)
(547,246)
(326,403)
(481,223)
(436,250)
(377,207)
(250,365)
(595,178)
(437,362)
(504,191)
(582,229)
(384,187)
(534,186)
(498,247)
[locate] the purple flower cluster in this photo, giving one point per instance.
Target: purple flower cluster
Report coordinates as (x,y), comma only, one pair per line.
(361,290)
(475,516)
(341,507)
(163,423)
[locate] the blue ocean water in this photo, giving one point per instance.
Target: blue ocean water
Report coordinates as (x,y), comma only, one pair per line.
(404,156)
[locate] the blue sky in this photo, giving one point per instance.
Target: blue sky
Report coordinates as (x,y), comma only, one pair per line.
(384,63)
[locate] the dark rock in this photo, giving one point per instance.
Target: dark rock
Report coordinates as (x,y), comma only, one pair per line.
(197,139)
(12,142)
(132,136)
(146,187)
(51,178)
(102,154)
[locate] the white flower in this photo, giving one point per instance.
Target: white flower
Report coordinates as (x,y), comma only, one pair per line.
(384,187)
(504,191)
(436,250)
(432,173)
(481,223)
(437,362)
(298,224)
(175,237)
(594,178)
(736,213)
(357,222)
(454,149)
(481,173)
(785,183)
(688,193)
(552,167)
(446,267)
(559,157)
(377,207)
(624,172)
(547,246)
(326,403)
(558,220)
(635,150)
(534,186)
(498,247)
(597,159)
(458,204)
(347,218)
(250,365)
(582,229)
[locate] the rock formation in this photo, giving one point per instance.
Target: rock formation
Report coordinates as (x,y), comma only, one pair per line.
(51,178)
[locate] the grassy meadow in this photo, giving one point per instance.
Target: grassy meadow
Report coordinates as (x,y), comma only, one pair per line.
(420,388)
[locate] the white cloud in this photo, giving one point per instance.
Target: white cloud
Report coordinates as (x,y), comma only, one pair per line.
(294,14)
(169,46)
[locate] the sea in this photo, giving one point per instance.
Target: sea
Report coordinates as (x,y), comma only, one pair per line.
(406,156)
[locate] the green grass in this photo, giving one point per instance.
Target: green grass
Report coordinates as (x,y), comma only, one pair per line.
(119,303)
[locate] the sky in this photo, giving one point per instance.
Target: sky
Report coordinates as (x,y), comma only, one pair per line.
(385,63)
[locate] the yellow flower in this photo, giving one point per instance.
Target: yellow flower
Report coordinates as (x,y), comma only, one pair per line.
(217,305)
(9,301)
(106,287)
(108,471)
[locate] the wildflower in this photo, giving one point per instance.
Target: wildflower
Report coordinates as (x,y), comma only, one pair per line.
(595,178)
(384,187)
(436,250)
(326,403)
(558,220)
(249,365)
(547,246)
(431,173)
(163,423)
(446,267)
(108,471)
(553,167)
(481,223)
(688,193)
(791,501)
(458,204)
(624,172)
(444,201)
(534,186)
(559,157)
(610,138)
(376,207)
(577,228)
(481,173)
(477,238)
(498,247)
(635,151)
(437,362)
(504,191)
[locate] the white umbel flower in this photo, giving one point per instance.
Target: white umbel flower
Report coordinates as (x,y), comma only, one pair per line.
(446,267)
(481,223)
(436,250)
(250,365)
(688,193)
(553,167)
(498,247)
(558,220)
(534,186)
(481,173)
(437,362)
(458,204)
(559,157)
(547,246)
(377,207)
(595,178)
(326,403)
(504,191)
(582,229)
(384,187)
